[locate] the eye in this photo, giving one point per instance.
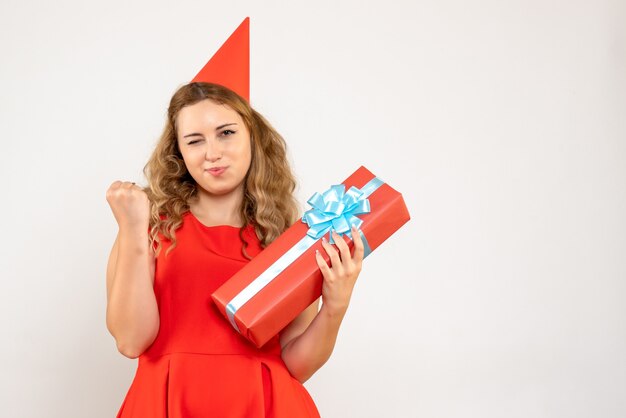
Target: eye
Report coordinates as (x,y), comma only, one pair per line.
(227,132)
(193,142)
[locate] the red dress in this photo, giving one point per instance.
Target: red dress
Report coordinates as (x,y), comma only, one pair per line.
(199,366)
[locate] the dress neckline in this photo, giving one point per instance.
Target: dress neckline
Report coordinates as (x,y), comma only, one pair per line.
(192,216)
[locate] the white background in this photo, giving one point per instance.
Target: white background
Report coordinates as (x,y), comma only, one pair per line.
(501,122)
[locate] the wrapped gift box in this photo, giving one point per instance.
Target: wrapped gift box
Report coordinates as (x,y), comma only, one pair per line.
(281,281)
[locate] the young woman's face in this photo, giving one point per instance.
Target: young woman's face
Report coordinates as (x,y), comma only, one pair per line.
(215,145)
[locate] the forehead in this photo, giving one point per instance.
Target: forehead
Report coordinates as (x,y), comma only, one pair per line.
(205,115)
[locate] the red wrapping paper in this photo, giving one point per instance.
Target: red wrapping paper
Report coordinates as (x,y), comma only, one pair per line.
(300,284)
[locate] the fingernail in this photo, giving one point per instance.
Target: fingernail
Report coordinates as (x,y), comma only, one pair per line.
(323,239)
(317,252)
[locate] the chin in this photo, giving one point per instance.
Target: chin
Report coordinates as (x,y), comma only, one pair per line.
(218,191)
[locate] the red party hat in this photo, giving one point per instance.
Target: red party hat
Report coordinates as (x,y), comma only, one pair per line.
(230,65)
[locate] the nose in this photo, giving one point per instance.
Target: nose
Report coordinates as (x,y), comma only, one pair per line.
(213,150)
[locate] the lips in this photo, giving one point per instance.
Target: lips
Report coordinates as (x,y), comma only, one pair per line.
(216,171)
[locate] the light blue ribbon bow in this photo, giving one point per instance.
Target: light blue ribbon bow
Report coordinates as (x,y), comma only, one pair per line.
(334,209)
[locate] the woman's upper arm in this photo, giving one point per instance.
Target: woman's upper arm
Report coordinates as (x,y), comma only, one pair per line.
(299,324)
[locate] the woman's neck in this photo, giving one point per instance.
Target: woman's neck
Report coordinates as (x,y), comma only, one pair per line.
(218,209)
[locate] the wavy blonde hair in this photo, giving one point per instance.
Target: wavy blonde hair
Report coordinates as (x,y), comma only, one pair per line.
(268,200)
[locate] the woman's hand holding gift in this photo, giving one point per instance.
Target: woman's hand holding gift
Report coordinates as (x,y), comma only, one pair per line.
(340,277)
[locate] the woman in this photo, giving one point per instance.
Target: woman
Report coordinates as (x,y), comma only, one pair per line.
(220,190)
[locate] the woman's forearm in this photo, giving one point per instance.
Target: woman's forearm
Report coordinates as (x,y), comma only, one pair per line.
(132,314)
(305,354)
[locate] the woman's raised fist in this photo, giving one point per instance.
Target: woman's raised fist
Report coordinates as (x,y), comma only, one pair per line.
(130,205)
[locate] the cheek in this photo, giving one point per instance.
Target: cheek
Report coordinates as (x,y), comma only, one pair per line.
(243,152)
(191,158)
(248,157)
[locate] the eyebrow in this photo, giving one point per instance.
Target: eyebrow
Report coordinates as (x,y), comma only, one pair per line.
(217,129)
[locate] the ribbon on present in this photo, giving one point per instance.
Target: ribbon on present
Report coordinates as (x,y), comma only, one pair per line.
(331,210)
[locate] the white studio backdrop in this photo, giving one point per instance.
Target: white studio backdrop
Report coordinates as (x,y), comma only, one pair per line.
(502,123)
